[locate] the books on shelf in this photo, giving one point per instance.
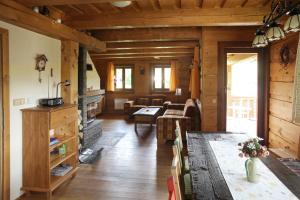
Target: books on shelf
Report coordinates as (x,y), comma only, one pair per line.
(61,170)
(53,141)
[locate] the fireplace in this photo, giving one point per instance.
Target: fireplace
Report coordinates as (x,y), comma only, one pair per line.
(91,111)
(91,127)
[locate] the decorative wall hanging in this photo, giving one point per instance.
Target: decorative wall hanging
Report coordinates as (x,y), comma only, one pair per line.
(284,56)
(142,70)
(40,65)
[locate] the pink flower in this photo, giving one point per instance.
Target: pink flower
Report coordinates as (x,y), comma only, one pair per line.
(254,153)
(260,154)
(246,155)
(241,155)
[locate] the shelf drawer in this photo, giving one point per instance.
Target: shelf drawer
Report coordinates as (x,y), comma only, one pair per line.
(65,115)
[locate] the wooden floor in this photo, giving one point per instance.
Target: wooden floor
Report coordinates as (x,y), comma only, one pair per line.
(132,169)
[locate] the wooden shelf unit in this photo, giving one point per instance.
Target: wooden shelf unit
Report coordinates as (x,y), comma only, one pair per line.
(38,156)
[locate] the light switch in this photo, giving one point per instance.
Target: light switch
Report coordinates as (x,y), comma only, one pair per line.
(19,102)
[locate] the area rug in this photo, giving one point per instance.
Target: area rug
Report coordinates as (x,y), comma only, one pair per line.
(106,142)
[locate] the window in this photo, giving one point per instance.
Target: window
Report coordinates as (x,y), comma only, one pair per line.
(161,77)
(124,77)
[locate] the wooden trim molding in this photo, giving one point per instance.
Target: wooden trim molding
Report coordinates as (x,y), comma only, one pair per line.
(6,115)
(263,84)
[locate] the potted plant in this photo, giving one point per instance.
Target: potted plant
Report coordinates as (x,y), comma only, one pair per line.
(252,149)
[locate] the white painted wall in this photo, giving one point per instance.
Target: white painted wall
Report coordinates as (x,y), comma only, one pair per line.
(92,77)
(23,47)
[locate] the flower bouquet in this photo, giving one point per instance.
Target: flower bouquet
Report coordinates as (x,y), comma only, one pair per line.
(252,149)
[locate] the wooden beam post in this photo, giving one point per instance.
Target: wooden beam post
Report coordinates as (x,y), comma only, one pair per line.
(6,114)
(82,84)
(69,70)
(171,18)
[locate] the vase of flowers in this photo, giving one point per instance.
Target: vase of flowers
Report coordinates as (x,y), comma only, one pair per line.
(252,149)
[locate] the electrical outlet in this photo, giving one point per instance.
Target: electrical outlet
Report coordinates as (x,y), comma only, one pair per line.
(19,102)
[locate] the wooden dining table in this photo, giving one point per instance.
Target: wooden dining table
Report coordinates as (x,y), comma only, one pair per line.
(207,179)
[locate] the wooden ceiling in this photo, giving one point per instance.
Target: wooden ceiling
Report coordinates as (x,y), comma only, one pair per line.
(152,28)
(101,14)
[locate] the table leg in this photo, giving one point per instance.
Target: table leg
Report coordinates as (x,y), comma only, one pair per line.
(135,128)
(49,195)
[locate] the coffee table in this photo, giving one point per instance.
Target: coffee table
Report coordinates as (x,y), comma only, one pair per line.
(145,116)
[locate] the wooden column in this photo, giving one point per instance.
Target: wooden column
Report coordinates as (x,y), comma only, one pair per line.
(69,70)
(4,59)
(82,84)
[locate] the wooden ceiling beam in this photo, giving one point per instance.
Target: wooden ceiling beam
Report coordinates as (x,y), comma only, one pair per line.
(148,34)
(143,57)
(152,45)
(63,2)
(233,3)
(144,51)
(172,18)
(17,14)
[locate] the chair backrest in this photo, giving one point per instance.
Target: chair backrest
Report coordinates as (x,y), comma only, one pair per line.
(178,134)
(171,188)
(176,171)
(176,152)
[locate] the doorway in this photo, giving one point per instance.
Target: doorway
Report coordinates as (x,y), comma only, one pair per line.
(241,111)
(243,89)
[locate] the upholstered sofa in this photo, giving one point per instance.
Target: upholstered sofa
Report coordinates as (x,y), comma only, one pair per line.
(134,105)
(187,114)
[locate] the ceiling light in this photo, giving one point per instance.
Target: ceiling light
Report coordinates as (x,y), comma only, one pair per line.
(121,4)
(279,9)
(260,39)
(293,22)
(275,32)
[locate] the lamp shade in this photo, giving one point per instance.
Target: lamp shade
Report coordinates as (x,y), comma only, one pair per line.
(275,32)
(293,22)
(260,39)
(121,4)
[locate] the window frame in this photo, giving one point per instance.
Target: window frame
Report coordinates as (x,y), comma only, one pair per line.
(163,66)
(123,67)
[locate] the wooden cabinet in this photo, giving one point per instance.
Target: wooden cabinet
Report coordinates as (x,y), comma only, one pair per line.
(39,158)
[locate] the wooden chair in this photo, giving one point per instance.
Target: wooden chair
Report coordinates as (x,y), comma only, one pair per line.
(179,178)
(171,188)
(176,172)
(179,143)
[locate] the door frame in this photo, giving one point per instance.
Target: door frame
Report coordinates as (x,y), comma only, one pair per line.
(5,115)
(262,82)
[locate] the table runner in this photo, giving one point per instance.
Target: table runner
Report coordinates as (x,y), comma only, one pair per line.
(232,166)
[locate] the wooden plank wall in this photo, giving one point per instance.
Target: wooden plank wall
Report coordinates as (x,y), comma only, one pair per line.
(142,83)
(210,38)
(283,133)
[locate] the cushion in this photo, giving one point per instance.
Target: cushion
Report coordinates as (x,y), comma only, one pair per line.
(187,186)
(174,112)
(143,101)
(186,164)
(157,102)
(189,108)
